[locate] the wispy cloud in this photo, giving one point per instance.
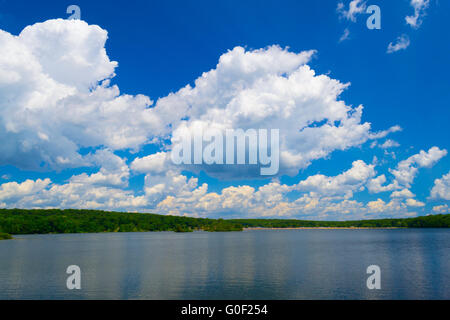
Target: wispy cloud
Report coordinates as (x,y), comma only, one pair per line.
(389,144)
(401,43)
(345,35)
(355,7)
(420,7)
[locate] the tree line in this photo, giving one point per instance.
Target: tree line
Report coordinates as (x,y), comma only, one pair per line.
(431,221)
(45,221)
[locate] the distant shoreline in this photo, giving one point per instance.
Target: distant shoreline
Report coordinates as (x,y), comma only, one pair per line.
(55,221)
(326,228)
(5,236)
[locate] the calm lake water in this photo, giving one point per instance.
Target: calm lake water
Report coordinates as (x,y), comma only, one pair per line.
(257,264)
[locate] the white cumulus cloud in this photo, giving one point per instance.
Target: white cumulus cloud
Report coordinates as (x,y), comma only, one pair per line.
(270,88)
(404,193)
(55,97)
(344,184)
(441,209)
(14,190)
(441,188)
(408,169)
(377,185)
(414,203)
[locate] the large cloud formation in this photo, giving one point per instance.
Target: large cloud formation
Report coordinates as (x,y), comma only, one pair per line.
(56,99)
(269,88)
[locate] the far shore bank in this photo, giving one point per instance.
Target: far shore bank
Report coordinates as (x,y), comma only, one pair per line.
(5,236)
(56,221)
(327,228)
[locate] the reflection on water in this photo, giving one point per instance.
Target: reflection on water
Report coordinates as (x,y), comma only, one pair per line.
(260,264)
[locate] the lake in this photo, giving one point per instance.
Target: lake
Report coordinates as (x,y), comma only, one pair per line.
(254,264)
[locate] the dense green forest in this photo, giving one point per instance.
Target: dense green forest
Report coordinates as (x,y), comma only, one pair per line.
(19,221)
(431,221)
(5,236)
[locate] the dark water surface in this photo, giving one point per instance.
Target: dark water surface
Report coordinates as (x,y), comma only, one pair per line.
(257,264)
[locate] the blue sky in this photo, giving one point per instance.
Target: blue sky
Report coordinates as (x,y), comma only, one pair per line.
(162,46)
